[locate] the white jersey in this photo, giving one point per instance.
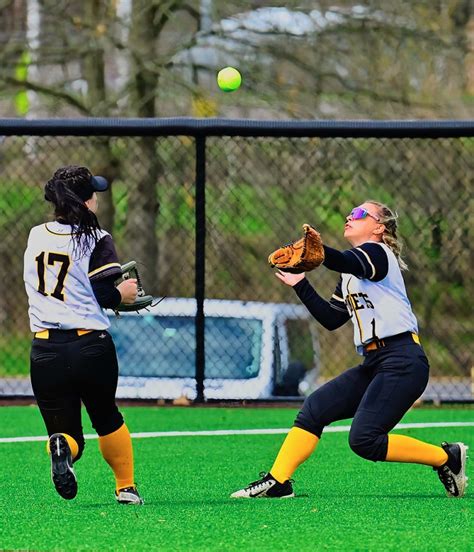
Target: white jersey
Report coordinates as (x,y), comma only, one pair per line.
(58,281)
(378,308)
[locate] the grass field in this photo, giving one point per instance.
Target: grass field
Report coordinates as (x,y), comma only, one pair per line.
(342,503)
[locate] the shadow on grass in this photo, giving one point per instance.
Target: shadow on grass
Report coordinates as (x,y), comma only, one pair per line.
(188,502)
(391,496)
(227,501)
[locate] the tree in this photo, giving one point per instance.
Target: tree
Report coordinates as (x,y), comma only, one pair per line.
(146,59)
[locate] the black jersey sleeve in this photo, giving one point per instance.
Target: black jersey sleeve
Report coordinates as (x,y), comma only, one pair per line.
(107,295)
(368,260)
(331,314)
(337,299)
(104,261)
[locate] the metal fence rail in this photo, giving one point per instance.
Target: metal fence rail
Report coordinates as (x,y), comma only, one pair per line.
(200,204)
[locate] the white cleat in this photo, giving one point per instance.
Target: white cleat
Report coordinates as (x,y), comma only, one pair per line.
(128,495)
(266,487)
(453,474)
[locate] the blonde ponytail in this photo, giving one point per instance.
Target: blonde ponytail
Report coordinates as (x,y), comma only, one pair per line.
(390,237)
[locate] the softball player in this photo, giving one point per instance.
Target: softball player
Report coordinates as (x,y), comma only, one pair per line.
(377,393)
(70,266)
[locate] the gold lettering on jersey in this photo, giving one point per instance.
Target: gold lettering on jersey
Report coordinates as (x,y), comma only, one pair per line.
(358,301)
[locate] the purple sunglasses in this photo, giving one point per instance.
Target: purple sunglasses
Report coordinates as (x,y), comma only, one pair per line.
(358,213)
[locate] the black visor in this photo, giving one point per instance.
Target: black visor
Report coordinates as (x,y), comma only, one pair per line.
(95,184)
(99,183)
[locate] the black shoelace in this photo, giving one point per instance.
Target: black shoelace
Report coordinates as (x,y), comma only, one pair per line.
(258,482)
(261,481)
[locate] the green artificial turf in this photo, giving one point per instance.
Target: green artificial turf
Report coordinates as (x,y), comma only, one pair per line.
(342,503)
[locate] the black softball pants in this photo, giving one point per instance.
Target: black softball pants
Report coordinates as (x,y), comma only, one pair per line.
(376,394)
(67,369)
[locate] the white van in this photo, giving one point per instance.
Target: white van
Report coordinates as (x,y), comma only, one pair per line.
(252,350)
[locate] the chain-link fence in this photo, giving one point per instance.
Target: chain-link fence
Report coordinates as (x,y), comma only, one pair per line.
(200,205)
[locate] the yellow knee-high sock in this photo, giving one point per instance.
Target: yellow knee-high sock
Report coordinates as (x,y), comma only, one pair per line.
(72,445)
(116,448)
(407,449)
(296,448)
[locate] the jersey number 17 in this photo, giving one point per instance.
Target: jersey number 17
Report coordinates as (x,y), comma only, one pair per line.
(53,258)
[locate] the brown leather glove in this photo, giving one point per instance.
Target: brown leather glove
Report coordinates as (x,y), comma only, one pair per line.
(302,255)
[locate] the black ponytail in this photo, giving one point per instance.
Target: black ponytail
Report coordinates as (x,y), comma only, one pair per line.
(68,190)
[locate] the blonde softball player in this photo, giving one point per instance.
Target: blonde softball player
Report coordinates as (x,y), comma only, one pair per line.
(394,373)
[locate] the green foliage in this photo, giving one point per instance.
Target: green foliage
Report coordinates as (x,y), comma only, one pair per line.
(241,213)
(18,199)
(14,354)
(179,209)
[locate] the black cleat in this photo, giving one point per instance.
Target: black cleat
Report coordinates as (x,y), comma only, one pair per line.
(453,474)
(128,495)
(62,474)
(266,487)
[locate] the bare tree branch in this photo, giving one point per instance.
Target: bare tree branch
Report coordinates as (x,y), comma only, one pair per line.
(51,91)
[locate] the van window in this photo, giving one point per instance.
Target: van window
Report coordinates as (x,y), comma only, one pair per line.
(233,346)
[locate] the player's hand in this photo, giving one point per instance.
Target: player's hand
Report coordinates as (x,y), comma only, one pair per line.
(128,290)
(290,279)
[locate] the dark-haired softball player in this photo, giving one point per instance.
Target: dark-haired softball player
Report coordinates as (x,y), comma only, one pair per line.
(394,373)
(70,266)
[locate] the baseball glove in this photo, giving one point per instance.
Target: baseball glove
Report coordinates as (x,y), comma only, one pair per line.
(129,270)
(302,255)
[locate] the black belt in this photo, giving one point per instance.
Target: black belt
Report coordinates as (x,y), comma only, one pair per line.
(406,337)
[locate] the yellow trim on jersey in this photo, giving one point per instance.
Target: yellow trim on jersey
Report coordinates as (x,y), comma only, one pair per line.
(44,334)
(105,267)
(58,233)
(351,299)
(368,259)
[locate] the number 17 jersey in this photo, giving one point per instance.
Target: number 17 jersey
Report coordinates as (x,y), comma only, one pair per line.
(58,278)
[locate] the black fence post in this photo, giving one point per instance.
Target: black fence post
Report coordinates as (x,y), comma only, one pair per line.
(200,263)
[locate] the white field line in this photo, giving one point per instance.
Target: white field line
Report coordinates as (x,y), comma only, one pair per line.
(218,432)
